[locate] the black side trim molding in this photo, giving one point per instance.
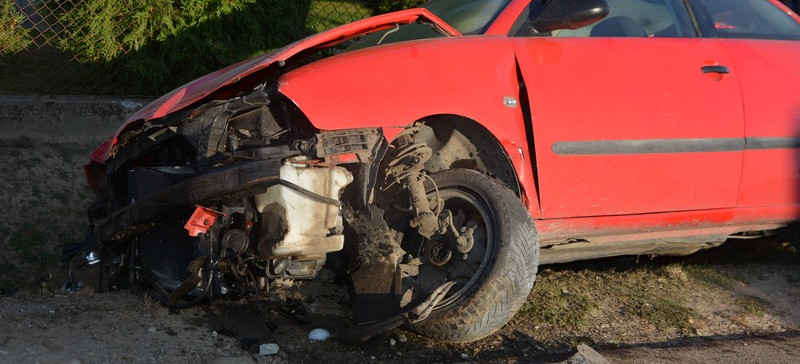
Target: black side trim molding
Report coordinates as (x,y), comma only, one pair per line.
(687,145)
(772,143)
(648,146)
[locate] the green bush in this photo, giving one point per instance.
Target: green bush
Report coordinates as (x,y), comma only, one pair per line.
(383,6)
(151,46)
(13,37)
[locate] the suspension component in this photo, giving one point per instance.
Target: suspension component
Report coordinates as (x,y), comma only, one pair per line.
(406,168)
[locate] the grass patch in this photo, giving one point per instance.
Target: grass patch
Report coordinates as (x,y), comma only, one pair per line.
(8,274)
(568,299)
(663,312)
(753,305)
(557,303)
(33,256)
(26,239)
(710,275)
(61,196)
(653,294)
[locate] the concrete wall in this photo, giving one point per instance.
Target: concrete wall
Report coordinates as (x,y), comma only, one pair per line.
(64,118)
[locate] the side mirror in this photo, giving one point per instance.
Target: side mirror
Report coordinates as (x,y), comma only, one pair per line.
(569,14)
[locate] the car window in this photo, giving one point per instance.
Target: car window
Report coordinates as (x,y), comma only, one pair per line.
(626,18)
(467,16)
(744,19)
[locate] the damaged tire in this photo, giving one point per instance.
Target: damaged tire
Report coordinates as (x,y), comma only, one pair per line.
(494,278)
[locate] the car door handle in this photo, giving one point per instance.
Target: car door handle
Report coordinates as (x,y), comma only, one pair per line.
(715,69)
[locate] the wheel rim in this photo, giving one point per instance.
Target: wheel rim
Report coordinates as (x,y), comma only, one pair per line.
(441,261)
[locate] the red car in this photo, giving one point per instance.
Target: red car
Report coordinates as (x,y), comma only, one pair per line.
(436,156)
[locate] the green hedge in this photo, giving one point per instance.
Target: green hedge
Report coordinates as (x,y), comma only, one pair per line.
(383,6)
(150,46)
(13,37)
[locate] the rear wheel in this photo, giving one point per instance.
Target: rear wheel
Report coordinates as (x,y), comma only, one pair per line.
(493,279)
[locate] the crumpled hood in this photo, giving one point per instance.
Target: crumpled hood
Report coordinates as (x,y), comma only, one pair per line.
(197,90)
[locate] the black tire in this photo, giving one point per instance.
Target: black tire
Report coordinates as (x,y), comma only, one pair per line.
(507,271)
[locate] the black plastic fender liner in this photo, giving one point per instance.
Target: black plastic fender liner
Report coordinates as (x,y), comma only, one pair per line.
(211,187)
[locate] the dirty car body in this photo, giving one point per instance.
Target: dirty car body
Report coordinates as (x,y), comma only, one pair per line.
(436,163)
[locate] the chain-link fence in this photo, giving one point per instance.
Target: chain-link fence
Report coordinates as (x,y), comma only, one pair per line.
(147,47)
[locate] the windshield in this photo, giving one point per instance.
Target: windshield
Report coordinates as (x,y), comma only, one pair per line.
(467,16)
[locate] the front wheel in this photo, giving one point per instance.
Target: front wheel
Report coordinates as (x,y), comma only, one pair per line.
(494,278)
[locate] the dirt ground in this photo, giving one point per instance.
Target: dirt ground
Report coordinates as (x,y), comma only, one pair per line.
(771,349)
(88,327)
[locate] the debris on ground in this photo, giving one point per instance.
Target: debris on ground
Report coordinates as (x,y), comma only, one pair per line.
(268,349)
(319,334)
(586,355)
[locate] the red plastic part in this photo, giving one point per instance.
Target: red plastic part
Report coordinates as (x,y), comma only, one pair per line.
(201,220)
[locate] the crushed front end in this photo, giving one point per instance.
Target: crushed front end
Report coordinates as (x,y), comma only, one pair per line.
(226,197)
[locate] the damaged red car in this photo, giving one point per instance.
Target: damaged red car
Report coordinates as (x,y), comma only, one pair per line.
(435,157)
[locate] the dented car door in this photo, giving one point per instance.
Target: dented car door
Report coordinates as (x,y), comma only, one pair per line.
(631,115)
